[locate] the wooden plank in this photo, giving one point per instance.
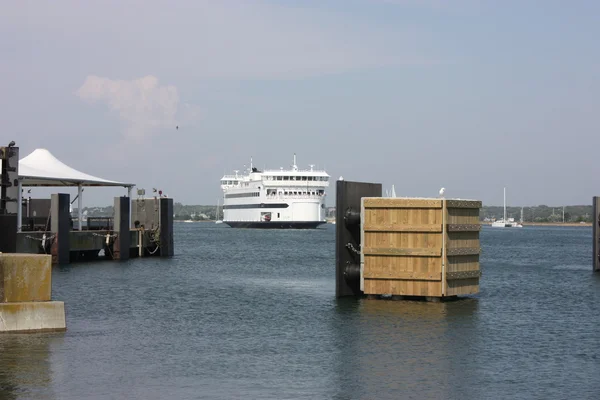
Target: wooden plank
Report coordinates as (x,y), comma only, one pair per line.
(444,244)
(464,227)
(386,251)
(463,251)
(464,203)
(463,275)
(370,227)
(386,202)
(404,275)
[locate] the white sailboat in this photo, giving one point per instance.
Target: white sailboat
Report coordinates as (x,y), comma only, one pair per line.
(504,222)
(391,192)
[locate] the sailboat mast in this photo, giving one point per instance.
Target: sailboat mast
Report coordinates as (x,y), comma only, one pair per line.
(504,204)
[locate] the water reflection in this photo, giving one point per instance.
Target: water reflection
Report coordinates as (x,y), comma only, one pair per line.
(403,349)
(25,366)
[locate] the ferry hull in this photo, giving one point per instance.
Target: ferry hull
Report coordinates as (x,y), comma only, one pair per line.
(275,224)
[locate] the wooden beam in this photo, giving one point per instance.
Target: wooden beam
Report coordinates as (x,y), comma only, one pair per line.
(370,227)
(404,275)
(464,227)
(386,251)
(463,251)
(463,275)
(386,202)
(464,203)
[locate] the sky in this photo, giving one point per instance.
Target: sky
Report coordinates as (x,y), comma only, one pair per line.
(470,95)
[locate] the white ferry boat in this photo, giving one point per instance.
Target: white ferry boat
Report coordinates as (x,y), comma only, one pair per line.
(277,199)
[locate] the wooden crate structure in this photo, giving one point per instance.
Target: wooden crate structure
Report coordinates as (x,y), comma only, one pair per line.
(419,246)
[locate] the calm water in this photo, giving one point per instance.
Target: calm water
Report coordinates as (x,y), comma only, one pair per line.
(252,314)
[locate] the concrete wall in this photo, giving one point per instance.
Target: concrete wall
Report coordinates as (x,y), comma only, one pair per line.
(25,293)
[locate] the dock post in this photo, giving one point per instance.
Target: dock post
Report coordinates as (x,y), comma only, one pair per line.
(166,227)
(347,234)
(596,233)
(9,195)
(60,227)
(122,229)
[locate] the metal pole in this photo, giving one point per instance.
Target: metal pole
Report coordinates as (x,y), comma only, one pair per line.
(19,207)
(79,205)
(596,234)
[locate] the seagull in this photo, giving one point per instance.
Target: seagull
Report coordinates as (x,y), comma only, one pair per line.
(341,178)
(442,191)
(11,144)
(177,127)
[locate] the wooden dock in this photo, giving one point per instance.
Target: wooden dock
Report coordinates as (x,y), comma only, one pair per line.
(151,234)
(139,227)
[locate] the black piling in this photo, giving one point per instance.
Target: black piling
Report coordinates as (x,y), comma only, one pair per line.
(9,193)
(122,244)
(60,225)
(347,234)
(596,233)
(166,227)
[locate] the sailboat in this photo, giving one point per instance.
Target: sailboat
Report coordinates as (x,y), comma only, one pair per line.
(504,222)
(217,220)
(391,192)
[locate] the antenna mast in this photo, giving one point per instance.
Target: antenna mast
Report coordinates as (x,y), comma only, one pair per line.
(504,204)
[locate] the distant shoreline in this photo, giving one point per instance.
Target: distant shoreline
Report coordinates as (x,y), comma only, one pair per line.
(587,224)
(569,224)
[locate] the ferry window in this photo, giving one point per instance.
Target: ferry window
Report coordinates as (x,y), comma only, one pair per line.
(285,178)
(304,178)
(277,215)
(279,178)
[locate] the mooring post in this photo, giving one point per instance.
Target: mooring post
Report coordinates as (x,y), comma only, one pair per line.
(166,227)
(9,194)
(121,229)
(596,233)
(347,234)
(60,225)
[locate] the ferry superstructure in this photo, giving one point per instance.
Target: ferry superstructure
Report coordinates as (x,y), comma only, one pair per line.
(275,199)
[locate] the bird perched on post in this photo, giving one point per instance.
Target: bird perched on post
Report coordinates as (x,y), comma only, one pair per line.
(442,191)
(11,144)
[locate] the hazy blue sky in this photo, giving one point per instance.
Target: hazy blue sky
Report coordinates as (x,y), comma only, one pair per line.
(469,95)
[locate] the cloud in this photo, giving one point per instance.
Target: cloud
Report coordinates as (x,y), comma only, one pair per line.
(142,105)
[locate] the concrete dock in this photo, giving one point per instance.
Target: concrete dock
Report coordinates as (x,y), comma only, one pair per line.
(26,295)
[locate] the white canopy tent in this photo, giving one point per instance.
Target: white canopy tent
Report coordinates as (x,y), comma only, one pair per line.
(41,168)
